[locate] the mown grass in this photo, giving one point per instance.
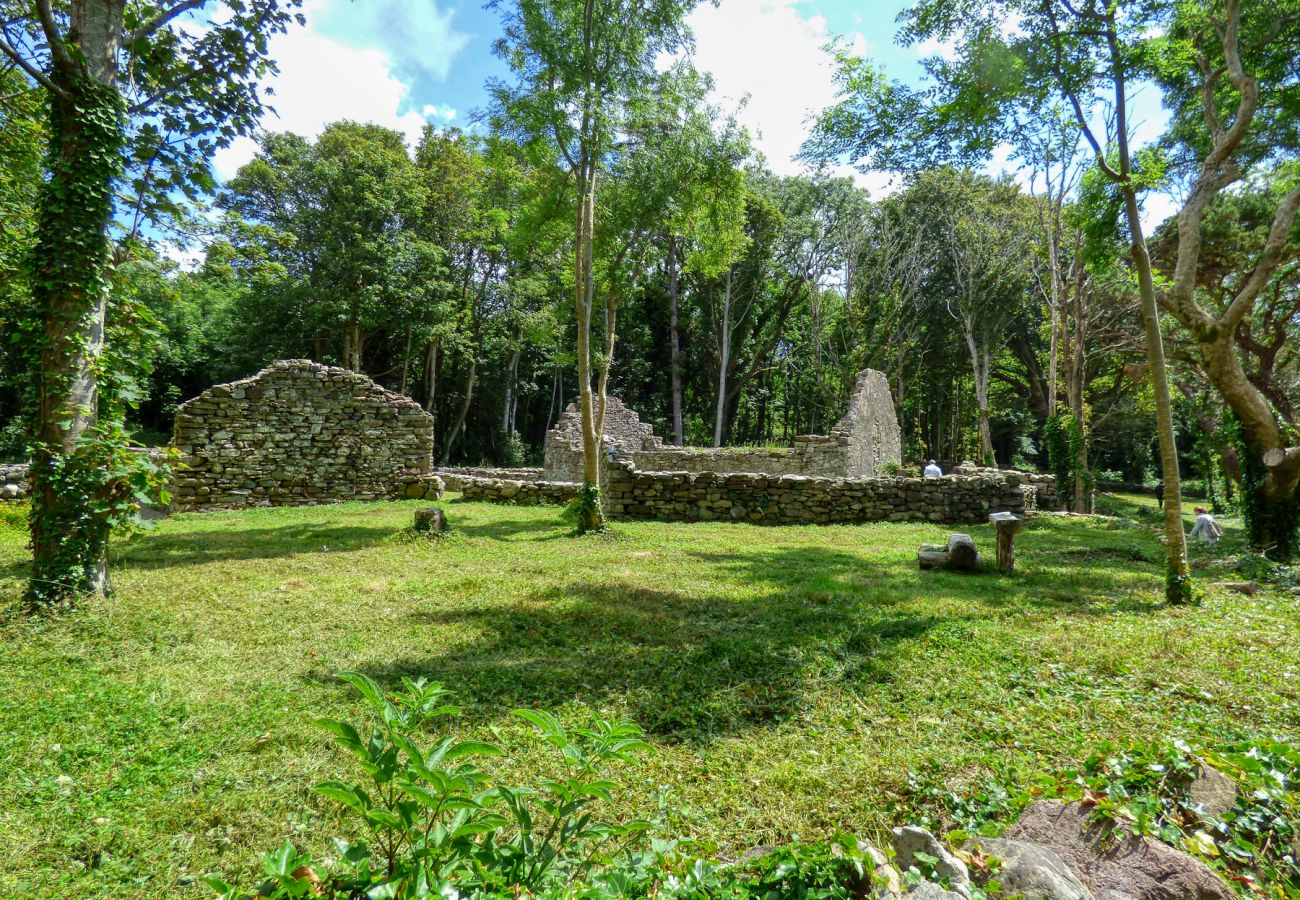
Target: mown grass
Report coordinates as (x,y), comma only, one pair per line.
(795,680)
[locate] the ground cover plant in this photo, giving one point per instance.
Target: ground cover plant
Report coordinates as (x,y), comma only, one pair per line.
(794,683)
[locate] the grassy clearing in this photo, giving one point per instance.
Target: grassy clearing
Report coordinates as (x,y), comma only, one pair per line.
(795,680)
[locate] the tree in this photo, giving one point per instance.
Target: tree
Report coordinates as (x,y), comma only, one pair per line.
(1231,81)
(1014,56)
(21,140)
(984,240)
(582,70)
(189,91)
(344,211)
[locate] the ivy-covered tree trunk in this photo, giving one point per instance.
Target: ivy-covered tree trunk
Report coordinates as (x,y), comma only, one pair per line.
(70,521)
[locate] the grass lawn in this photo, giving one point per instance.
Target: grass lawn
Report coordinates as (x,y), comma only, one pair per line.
(795,680)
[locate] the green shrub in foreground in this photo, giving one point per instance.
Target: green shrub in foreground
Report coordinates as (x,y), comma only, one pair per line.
(437,828)
(434,820)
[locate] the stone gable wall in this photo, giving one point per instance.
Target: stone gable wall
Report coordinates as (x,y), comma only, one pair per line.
(299,432)
(874,436)
(623,431)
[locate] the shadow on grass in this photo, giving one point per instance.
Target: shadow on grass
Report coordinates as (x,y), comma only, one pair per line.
(161,551)
(509,529)
(691,666)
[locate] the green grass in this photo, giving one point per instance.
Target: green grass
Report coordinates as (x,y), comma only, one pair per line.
(795,680)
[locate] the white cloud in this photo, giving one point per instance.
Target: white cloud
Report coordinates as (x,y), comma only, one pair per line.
(768,51)
(444,112)
(421,36)
(323,80)
(934,47)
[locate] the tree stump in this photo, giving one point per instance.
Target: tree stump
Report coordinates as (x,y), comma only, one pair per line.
(1008,525)
(430,520)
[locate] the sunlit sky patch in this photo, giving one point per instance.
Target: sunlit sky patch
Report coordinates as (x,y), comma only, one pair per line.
(404,63)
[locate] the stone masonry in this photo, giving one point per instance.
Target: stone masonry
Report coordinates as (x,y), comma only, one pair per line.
(861,444)
(13,481)
(299,432)
(799,499)
(623,431)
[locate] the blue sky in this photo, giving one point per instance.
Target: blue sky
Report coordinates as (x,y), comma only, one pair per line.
(403,63)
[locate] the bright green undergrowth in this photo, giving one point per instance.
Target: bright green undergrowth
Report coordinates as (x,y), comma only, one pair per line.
(794,682)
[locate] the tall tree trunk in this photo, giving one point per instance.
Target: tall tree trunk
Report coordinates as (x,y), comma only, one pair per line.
(675,365)
(507,407)
(352,346)
(1178,588)
(1078,361)
(86,121)
(724,361)
(406,363)
(591,516)
(431,387)
(981,367)
(471,379)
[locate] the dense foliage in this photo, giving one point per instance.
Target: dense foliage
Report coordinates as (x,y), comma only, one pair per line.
(726,304)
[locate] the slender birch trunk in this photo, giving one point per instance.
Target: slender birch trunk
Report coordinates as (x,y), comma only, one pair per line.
(724,361)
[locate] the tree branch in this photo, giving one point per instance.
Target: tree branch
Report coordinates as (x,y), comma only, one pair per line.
(1269,260)
(32,72)
(163,18)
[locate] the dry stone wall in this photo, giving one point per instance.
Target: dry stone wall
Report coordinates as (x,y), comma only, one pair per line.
(861,445)
(525,493)
(875,440)
(812,454)
(13,481)
(455,478)
(799,499)
(1040,488)
(623,431)
(299,432)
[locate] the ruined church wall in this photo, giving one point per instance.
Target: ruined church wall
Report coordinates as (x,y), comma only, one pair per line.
(299,432)
(623,430)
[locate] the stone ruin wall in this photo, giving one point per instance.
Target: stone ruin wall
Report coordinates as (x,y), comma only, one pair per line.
(454,478)
(13,481)
(623,431)
(800,499)
(875,440)
(812,454)
(860,445)
(299,432)
(783,499)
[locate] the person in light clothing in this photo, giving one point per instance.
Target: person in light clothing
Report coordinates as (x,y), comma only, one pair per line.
(932,470)
(1206,528)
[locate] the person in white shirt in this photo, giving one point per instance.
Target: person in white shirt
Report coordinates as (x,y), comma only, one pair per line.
(1206,528)
(932,470)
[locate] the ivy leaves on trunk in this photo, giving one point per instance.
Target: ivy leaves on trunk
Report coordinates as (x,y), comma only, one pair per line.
(148,138)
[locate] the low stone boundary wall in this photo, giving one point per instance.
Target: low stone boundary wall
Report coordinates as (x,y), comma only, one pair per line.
(798,499)
(13,481)
(823,455)
(526,493)
(455,477)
